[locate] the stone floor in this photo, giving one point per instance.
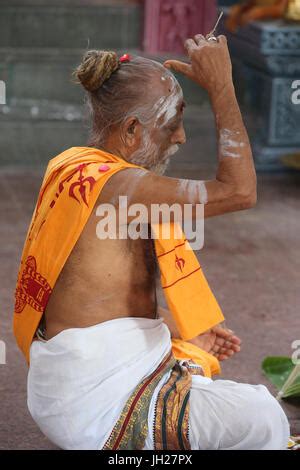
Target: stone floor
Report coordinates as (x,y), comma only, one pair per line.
(251,260)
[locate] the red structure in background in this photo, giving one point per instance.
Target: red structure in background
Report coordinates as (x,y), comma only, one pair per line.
(167,23)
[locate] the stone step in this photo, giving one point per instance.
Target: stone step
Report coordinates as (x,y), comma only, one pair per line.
(46,74)
(44,111)
(40,73)
(31,140)
(33,143)
(39,48)
(65,25)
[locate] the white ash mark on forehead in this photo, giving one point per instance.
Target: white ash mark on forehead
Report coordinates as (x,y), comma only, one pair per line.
(196,191)
(168,107)
(158,104)
(229,143)
(164,108)
(172,79)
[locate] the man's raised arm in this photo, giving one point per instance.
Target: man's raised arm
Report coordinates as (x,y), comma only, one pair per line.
(236,171)
(234,187)
(210,66)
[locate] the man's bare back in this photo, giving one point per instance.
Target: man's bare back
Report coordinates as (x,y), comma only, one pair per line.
(103,280)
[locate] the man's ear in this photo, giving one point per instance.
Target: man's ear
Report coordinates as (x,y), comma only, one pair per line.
(131,131)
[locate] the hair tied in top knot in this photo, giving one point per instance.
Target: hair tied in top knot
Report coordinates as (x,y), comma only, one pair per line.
(96,67)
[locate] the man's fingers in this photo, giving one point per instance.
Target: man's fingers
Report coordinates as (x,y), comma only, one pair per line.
(199,38)
(178,66)
(222,332)
(228,343)
(222,357)
(232,340)
(222,39)
(227,348)
(190,46)
(227,352)
(226,334)
(235,339)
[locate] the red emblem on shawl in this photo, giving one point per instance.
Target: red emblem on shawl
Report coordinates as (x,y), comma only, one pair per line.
(179,263)
(33,289)
(83,184)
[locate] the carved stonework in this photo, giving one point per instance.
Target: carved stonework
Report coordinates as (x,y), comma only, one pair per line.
(169,22)
(286,115)
(266,58)
(281,41)
(283,66)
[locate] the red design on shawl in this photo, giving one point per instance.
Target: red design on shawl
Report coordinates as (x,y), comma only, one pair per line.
(83,184)
(179,263)
(32,289)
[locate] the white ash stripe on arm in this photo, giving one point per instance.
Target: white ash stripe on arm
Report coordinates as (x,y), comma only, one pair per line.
(196,191)
(229,143)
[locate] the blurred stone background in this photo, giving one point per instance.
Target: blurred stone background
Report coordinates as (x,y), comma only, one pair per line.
(251,258)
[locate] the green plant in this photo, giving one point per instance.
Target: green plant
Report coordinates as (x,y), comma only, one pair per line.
(284,374)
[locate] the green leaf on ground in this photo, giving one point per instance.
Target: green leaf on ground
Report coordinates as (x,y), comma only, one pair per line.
(278,370)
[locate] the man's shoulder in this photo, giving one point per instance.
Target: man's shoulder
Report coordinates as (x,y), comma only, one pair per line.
(123,182)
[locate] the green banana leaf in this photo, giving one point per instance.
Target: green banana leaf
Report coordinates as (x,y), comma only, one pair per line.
(278,369)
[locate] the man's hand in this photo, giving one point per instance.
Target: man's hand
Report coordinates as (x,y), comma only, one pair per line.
(219,341)
(210,64)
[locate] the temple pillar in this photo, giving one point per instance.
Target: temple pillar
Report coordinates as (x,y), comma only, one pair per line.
(167,23)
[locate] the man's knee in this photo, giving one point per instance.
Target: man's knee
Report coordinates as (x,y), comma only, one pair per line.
(265,424)
(230,415)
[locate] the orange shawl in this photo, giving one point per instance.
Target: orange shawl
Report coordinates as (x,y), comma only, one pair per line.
(69,191)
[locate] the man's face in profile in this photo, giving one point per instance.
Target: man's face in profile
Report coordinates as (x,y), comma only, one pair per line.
(162,135)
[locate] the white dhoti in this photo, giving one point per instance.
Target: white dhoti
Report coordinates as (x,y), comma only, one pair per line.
(80,380)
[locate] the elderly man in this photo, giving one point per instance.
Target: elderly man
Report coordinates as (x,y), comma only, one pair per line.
(109,368)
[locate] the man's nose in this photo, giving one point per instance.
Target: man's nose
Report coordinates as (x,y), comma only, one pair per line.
(179,136)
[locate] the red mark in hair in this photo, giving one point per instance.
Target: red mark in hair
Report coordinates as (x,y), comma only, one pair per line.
(125,58)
